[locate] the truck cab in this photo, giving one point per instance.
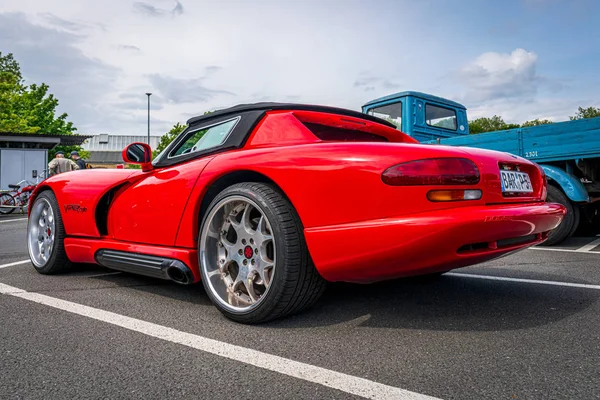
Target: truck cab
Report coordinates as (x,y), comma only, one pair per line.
(420,115)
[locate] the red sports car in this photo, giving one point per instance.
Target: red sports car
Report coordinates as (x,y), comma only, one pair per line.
(265,203)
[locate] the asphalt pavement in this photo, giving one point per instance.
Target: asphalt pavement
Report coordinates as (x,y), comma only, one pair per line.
(526,326)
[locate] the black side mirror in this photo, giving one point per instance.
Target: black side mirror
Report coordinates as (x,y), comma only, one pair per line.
(138,153)
(34,173)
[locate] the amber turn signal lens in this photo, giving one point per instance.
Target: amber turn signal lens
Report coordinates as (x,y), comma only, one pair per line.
(454,195)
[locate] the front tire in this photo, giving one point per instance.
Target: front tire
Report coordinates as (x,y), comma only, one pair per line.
(45,236)
(253,258)
(569,224)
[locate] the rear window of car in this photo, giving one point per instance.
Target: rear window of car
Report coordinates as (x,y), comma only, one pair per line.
(332,133)
(205,138)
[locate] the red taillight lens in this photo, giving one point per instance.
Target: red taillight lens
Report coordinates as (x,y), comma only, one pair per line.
(433,171)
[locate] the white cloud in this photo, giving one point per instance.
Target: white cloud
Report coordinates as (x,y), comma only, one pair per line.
(198,56)
(101,57)
(509,85)
(501,75)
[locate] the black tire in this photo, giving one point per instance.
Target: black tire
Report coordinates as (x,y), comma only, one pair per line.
(58,262)
(296,284)
(569,224)
(7,200)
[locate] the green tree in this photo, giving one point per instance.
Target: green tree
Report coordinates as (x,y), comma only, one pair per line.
(167,138)
(27,109)
(484,124)
(67,150)
(590,112)
(536,122)
(9,65)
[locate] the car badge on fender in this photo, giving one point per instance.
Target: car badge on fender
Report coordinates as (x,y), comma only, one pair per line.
(75,207)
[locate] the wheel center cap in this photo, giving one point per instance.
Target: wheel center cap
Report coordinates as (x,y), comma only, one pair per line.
(248,252)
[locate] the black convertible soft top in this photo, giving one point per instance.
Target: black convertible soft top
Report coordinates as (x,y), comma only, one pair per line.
(285,106)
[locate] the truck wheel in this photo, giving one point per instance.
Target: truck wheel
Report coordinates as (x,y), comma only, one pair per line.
(569,224)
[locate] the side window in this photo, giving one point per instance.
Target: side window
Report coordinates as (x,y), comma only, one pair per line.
(440,117)
(205,138)
(390,112)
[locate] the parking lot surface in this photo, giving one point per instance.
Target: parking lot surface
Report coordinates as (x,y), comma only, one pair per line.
(525,326)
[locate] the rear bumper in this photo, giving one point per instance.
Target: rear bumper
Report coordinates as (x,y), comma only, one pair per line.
(428,242)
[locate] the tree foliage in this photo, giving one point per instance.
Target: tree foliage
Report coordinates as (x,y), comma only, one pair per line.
(484,124)
(8,65)
(536,122)
(27,109)
(582,113)
(67,150)
(496,123)
(168,137)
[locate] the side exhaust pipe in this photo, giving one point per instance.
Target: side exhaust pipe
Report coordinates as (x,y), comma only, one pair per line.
(147,265)
(179,273)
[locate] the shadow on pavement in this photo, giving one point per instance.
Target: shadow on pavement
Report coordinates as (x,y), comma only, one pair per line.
(444,304)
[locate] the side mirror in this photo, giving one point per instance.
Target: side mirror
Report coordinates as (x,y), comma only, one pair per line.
(138,153)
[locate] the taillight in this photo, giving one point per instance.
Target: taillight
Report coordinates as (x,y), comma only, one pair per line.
(433,171)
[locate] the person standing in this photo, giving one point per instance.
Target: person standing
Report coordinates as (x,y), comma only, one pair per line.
(78,160)
(61,164)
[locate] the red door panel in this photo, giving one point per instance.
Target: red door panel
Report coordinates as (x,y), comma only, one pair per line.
(150,210)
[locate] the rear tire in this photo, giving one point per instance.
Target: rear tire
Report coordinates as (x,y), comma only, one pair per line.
(256,216)
(569,224)
(7,200)
(45,236)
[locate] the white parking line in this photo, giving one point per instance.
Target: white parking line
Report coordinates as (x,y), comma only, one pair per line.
(13,220)
(564,250)
(14,263)
(520,280)
(310,373)
(589,246)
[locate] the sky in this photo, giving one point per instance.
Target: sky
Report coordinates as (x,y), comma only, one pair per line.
(521,59)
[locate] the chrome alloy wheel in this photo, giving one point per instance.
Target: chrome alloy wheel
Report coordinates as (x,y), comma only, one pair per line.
(41,232)
(237,253)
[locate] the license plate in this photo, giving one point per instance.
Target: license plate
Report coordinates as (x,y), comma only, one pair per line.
(515,181)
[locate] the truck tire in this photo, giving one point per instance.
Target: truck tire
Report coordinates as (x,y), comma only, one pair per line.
(571,221)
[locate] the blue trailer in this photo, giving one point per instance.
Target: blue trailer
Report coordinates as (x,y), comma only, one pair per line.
(569,152)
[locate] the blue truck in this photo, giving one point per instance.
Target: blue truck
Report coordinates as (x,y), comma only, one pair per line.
(569,152)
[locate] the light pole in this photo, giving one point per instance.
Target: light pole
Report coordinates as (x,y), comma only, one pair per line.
(148,94)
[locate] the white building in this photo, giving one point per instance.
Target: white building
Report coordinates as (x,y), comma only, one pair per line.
(106,149)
